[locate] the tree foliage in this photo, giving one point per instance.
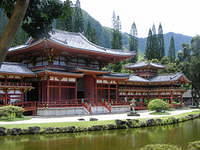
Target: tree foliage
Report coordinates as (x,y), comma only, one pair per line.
(171,52)
(155,48)
(133,42)
(91,34)
(78,22)
(158,105)
(161,43)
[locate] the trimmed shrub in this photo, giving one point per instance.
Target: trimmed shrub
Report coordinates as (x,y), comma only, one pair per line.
(158,105)
(160,147)
(194,145)
(11,112)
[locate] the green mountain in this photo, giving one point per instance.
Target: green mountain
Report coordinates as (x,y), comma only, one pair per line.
(104,36)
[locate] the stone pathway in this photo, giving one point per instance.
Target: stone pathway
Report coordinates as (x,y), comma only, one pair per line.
(143,114)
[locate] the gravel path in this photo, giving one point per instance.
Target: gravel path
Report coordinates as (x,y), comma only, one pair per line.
(143,114)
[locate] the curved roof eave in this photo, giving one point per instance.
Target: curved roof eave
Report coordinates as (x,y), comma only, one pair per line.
(107,51)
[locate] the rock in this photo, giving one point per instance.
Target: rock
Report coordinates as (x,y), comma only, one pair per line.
(69,129)
(49,130)
(93,119)
(25,131)
(133,114)
(34,130)
(150,122)
(111,126)
(120,122)
(96,128)
(132,123)
(81,119)
(2,131)
(15,131)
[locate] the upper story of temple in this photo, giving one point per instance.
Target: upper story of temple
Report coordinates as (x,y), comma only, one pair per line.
(64,50)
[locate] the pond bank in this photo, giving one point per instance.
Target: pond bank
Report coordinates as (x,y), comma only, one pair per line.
(73,127)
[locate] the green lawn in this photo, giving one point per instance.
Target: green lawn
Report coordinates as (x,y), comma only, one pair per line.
(61,124)
(160,113)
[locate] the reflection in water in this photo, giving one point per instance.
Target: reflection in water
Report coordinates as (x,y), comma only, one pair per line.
(131,139)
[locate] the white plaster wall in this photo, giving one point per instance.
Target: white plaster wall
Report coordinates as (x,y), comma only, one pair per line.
(99,110)
(120,109)
(61,111)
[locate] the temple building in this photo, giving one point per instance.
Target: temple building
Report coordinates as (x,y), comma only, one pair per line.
(62,75)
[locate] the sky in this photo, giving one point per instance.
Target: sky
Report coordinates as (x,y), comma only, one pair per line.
(180,16)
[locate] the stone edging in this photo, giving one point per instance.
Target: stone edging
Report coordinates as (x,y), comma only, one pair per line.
(119,124)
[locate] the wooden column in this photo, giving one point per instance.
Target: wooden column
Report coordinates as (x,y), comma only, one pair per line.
(76,90)
(59,92)
(108,91)
(47,85)
(117,91)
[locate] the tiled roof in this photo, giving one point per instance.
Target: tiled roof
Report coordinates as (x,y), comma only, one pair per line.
(137,79)
(169,77)
(75,40)
(15,68)
(159,78)
(144,64)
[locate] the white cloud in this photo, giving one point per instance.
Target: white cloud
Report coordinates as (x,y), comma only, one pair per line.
(181,16)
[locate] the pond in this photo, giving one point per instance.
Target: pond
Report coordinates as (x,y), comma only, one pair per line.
(130,139)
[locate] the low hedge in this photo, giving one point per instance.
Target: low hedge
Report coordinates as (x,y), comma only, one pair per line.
(11,112)
(160,147)
(158,105)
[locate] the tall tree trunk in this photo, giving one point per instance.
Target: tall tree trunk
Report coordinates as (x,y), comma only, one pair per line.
(11,28)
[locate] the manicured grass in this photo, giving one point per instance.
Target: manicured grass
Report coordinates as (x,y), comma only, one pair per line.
(82,124)
(160,113)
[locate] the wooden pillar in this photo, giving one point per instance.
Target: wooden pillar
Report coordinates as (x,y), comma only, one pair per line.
(76,90)
(47,85)
(6,96)
(117,91)
(109,92)
(39,91)
(171,97)
(59,92)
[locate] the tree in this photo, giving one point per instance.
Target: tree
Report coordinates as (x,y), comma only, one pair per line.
(91,33)
(78,23)
(148,49)
(64,22)
(161,44)
(133,41)
(171,52)
(116,41)
(116,35)
(35,16)
(19,10)
(154,49)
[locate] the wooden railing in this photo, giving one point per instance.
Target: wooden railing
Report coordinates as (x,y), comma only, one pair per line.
(15,84)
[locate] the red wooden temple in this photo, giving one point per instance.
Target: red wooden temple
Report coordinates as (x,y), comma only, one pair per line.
(62,75)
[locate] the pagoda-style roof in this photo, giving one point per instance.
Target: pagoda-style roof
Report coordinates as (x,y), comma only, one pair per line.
(10,68)
(90,71)
(142,65)
(71,43)
(161,79)
(59,73)
(114,76)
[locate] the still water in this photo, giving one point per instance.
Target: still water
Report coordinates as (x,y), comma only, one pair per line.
(131,139)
